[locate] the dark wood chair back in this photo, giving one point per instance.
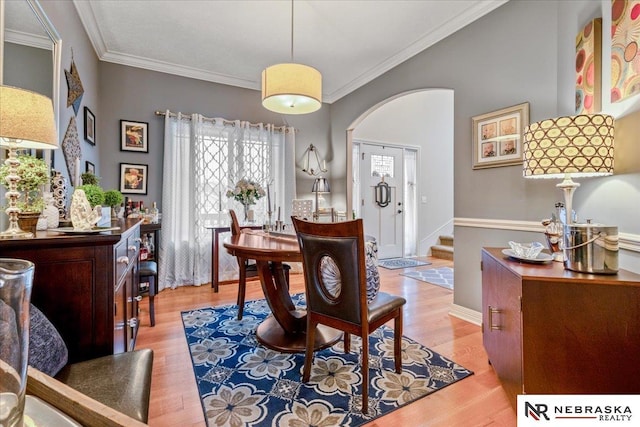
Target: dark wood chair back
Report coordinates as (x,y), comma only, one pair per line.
(335,275)
(235,225)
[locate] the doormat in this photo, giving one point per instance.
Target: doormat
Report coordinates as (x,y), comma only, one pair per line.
(395,263)
(442,276)
(242,383)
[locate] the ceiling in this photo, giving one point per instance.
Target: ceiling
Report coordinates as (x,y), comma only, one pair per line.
(230,42)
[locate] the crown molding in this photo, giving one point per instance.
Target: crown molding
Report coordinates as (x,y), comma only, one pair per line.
(32,40)
(88,19)
(432,37)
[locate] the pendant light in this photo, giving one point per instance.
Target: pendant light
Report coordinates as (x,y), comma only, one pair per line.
(291,88)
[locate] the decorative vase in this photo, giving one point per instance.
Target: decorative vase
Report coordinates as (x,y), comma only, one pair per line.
(59,190)
(246,211)
(16,279)
(50,212)
(28,221)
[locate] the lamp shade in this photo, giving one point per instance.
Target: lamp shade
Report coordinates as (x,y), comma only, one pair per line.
(321,185)
(580,146)
(291,88)
(26,119)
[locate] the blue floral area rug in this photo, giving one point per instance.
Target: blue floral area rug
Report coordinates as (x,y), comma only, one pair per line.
(396,263)
(442,276)
(242,383)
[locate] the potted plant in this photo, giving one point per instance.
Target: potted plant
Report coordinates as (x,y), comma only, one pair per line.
(113,198)
(89,178)
(34,174)
(95,194)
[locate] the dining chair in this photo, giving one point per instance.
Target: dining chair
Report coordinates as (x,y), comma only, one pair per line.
(333,258)
(245,268)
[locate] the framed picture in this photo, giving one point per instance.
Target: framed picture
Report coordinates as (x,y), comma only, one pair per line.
(625,37)
(89,167)
(134,136)
(133,178)
(497,137)
(89,126)
(588,66)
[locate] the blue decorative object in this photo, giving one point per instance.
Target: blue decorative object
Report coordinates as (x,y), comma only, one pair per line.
(241,382)
(74,84)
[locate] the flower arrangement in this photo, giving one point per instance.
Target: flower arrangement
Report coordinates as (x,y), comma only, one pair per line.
(33,173)
(246,192)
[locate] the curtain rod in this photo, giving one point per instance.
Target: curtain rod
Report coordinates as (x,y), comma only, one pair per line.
(224,121)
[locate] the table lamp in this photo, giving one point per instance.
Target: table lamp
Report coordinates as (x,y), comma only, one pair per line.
(320,185)
(26,121)
(566,147)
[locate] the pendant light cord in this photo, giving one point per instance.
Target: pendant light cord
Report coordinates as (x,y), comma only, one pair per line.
(292,31)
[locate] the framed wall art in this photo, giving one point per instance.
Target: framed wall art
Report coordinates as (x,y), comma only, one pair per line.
(133,178)
(625,55)
(497,137)
(588,68)
(134,136)
(89,167)
(89,126)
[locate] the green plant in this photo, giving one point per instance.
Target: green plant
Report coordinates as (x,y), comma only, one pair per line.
(113,198)
(95,194)
(33,173)
(89,178)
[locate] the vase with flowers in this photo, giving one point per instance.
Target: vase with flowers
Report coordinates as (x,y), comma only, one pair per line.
(248,193)
(34,174)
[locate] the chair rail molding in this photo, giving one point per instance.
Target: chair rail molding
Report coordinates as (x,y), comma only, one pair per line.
(627,241)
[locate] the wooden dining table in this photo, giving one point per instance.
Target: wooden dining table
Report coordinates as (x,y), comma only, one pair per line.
(285,329)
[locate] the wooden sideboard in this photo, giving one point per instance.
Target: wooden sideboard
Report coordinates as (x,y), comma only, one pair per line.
(87,285)
(548,330)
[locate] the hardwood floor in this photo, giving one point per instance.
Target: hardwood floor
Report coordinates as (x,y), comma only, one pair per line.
(475,401)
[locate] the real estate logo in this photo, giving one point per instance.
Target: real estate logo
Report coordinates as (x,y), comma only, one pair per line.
(578,410)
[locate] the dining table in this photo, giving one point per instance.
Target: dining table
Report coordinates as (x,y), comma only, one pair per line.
(285,328)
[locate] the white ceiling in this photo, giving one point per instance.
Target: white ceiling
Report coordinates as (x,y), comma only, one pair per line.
(350,42)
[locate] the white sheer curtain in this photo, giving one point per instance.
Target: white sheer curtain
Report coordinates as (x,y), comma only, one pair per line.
(202,159)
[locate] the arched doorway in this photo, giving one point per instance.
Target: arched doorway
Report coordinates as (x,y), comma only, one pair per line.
(422,119)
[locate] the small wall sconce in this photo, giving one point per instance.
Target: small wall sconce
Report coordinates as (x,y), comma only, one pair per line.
(314,159)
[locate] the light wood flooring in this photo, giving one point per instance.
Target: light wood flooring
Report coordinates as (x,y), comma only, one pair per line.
(474,401)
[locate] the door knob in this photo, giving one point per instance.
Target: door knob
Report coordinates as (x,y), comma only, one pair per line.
(399,211)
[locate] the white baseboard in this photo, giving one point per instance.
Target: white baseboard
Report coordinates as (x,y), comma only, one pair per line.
(466,314)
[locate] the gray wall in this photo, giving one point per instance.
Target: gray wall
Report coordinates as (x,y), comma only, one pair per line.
(521,52)
(135,94)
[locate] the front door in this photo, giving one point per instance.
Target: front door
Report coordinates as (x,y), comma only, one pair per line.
(382,184)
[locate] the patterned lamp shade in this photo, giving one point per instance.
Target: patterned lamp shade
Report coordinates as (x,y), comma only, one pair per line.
(580,146)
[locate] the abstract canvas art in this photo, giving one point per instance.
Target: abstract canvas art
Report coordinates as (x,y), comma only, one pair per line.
(588,68)
(625,54)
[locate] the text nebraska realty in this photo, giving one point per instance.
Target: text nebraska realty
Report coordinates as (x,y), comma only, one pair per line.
(602,413)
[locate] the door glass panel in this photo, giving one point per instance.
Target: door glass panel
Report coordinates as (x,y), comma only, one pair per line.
(382,165)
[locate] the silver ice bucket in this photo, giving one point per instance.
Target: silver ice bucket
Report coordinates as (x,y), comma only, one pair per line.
(591,248)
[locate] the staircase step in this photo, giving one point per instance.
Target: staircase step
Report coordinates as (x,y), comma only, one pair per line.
(442,252)
(446,240)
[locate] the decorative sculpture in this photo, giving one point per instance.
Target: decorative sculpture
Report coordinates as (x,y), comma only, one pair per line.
(83,217)
(50,212)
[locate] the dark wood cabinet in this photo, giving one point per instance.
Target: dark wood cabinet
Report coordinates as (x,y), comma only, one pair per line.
(548,330)
(83,289)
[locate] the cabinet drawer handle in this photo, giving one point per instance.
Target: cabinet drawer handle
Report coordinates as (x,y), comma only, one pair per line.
(133,248)
(493,311)
(138,298)
(133,323)
(123,260)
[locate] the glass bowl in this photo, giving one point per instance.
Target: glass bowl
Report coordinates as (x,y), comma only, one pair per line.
(526,250)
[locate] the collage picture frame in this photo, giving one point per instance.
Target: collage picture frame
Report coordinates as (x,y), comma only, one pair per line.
(497,137)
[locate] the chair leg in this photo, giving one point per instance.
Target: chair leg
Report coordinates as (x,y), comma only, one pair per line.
(152,296)
(308,355)
(397,342)
(347,342)
(365,374)
(242,286)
